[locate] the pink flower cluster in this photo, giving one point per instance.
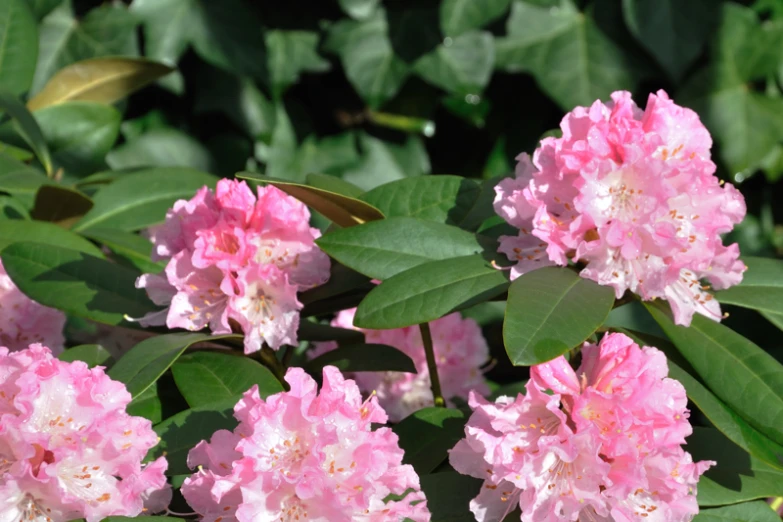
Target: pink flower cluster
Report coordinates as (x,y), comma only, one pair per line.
(460,351)
(68,449)
(300,455)
(631,194)
(23,321)
(605,446)
(233,257)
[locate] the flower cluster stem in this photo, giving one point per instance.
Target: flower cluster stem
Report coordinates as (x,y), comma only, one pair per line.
(268,359)
(426,338)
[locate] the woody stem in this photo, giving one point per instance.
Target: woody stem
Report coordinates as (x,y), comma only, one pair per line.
(426,338)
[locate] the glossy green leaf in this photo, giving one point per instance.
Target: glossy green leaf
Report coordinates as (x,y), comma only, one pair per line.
(206,377)
(342,210)
(147,404)
(359,9)
(27,127)
(462,64)
(79,134)
(19,49)
(161,148)
(449,495)
(364,358)
(427,435)
(761,287)
(334,184)
(723,360)
(60,205)
(75,282)
(458,16)
(551,310)
(180,433)
(143,365)
(368,57)
(573,61)
(341,280)
(381,249)
(311,331)
(291,53)
(92,354)
(138,200)
(45,233)
(745,512)
(133,247)
(738,477)
(383,161)
(430,291)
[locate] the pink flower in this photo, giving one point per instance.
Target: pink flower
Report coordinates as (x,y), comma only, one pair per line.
(605,445)
(307,456)
(68,449)
(460,351)
(231,256)
(631,194)
(23,321)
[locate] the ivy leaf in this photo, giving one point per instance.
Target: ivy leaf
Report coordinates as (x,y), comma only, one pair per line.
(459,16)
(289,54)
(462,64)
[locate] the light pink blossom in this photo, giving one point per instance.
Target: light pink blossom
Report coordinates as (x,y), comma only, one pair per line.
(460,351)
(234,257)
(600,443)
(631,194)
(301,455)
(23,321)
(68,449)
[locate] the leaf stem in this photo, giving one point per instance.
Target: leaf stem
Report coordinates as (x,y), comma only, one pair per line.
(268,359)
(426,338)
(288,355)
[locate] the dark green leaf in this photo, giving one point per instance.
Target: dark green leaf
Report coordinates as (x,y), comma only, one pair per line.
(206,377)
(129,519)
(364,358)
(458,16)
(512,390)
(167,27)
(41,8)
(633,316)
(76,283)
(92,354)
(761,287)
(79,134)
(161,148)
(133,247)
(359,9)
(19,49)
(291,53)
(27,128)
(148,405)
(430,291)
(462,64)
(334,184)
(427,435)
(449,495)
(550,311)
(310,331)
(746,512)
(724,358)
(60,205)
(383,161)
(45,233)
(341,280)
(143,365)
(138,200)
(11,208)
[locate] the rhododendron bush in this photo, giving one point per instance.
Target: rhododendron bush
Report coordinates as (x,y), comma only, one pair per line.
(363,261)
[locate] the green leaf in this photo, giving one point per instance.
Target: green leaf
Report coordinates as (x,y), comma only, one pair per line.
(19,49)
(143,365)
(180,433)
(359,9)
(761,287)
(206,377)
(311,331)
(60,205)
(738,477)
(45,233)
(139,200)
(368,58)
(103,80)
(133,247)
(11,208)
(79,134)
(167,27)
(382,162)
(551,310)
(427,435)
(381,249)
(724,358)
(444,199)
(161,148)
(108,30)
(512,389)
(334,184)
(129,519)
(342,210)
(75,282)
(673,32)
(27,127)
(363,358)
(449,495)
(41,8)
(746,512)
(571,59)
(291,53)
(148,405)
(430,291)
(459,16)
(462,64)
(92,354)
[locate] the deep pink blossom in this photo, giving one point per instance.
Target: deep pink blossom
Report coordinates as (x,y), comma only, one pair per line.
(23,321)
(600,443)
(301,455)
(631,194)
(68,449)
(460,351)
(232,257)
